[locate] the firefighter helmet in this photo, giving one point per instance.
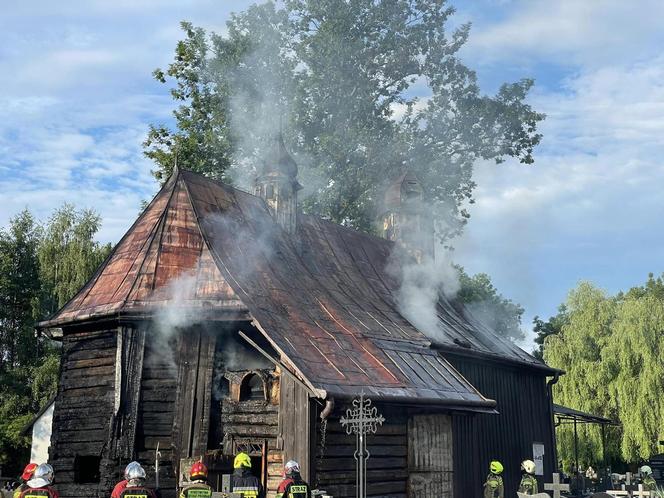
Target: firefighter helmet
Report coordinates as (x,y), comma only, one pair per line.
(645,470)
(134,471)
(496,467)
(242,460)
(528,466)
(43,476)
(28,471)
(198,470)
(291,467)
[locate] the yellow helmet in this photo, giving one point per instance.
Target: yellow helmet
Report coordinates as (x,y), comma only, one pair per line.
(496,467)
(242,460)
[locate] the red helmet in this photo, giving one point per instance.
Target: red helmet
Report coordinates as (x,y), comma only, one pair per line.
(28,471)
(198,469)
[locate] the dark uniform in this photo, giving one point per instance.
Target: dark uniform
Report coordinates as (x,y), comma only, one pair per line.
(137,492)
(293,487)
(196,490)
(528,485)
(46,491)
(244,483)
(493,487)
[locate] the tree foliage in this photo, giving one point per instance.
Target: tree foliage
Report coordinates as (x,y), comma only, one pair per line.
(362,90)
(68,254)
(502,315)
(611,349)
(41,267)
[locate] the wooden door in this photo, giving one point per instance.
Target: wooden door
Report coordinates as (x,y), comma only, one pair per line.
(430,456)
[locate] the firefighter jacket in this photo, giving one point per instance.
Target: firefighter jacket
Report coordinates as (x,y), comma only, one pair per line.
(17,492)
(119,488)
(46,491)
(493,487)
(244,483)
(649,483)
(528,485)
(196,490)
(293,487)
(137,492)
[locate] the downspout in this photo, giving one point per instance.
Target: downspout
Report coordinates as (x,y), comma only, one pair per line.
(554,446)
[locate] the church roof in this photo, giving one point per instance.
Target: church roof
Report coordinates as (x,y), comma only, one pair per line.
(323,298)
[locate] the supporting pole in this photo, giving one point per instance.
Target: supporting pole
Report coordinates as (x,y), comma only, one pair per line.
(604,462)
(576,447)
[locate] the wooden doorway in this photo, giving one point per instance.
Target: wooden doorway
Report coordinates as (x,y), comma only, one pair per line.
(430,456)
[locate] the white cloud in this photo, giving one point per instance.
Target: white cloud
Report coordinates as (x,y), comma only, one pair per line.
(591,32)
(591,205)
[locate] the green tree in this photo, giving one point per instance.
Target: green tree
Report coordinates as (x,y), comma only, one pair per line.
(19,290)
(501,314)
(611,349)
(40,269)
(68,254)
(362,90)
(552,326)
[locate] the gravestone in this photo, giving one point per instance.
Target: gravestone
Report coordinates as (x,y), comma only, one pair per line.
(556,486)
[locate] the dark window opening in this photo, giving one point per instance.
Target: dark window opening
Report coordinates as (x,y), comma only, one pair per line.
(252,388)
(86,469)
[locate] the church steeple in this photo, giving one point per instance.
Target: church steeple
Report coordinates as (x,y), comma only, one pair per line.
(277,184)
(404,218)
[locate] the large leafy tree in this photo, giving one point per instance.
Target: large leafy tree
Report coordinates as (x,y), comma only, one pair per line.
(40,269)
(482,298)
(68,254)
(362,91)
(611,349)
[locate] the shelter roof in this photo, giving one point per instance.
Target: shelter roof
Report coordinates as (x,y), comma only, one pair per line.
(565,413)
(324,298)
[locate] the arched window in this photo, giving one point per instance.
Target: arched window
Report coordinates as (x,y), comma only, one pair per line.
(252,388)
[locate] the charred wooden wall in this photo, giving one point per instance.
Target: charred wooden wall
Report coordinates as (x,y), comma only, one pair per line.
(83,408)
(524,419)
(252,425)
(155,415)
(387,468)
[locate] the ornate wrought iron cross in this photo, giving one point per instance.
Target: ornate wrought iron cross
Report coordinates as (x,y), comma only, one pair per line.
(361,419)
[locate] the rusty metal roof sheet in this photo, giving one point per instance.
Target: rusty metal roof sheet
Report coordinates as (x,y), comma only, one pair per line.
(323,298)
(164,245)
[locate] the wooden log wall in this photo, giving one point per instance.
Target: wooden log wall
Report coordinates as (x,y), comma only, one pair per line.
(255,421)
(155,415)
(387,468)
(83,409)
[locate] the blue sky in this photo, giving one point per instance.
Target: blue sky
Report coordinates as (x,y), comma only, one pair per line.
(76,97)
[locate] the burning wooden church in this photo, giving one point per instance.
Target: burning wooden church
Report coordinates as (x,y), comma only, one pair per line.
(226,321)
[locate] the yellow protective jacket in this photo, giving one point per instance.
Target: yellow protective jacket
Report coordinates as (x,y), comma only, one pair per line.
(528,485)
(493,487)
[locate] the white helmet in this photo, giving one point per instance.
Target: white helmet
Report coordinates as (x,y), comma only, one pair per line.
(291,467)
(528,466)
(43,476)
(134,472)
(645,470)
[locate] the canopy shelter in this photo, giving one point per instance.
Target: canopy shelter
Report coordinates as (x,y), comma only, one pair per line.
(570,416)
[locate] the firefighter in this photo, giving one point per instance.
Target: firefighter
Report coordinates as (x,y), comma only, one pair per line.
(528,484)
(199,487)
(293,486)
(493,487)
(243,482)
(647,479)
(41,483)
(135,488)
(27,474)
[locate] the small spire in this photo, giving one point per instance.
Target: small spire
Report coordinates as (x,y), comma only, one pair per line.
(176,170)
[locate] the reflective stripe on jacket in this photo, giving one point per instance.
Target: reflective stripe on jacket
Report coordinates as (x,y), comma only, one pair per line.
(29,492)
(493,487)
(197,490)
(244,483)
(528,485)
(293,488)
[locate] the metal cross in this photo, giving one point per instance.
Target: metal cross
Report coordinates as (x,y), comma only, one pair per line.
(361,420)
(556,486)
